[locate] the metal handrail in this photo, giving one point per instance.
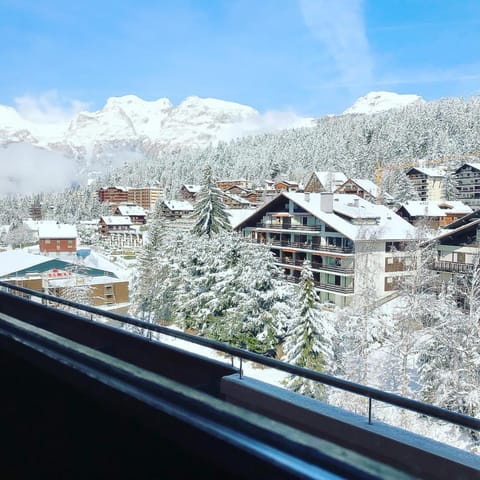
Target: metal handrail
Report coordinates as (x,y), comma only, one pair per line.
(346,385)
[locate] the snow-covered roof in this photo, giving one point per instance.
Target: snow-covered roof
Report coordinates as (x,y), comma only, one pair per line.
(447,233)
(419,208)
(328,179)
(432,208)
(192,188)
(78,280)
(57,230)
(288,182)
(368,186)
(238,215)
(455,207)
(15,260)
(117,187)
(237,198)
(380,222)
(116,220)
(179,205)
(476,166)
(429,172)
(131,210)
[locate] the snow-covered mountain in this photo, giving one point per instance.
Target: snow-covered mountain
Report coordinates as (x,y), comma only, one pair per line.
(375,102)
(128,120)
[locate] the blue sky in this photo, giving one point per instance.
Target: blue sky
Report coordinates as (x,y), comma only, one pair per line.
(312,57)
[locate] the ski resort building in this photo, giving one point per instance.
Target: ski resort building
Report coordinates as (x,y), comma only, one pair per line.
(354,246)
(113,194)
(176,208)
(57,238)
(189,192)
(428,182)
(136,214)
(62,278)
(458,247)
(467,179)
(145,197)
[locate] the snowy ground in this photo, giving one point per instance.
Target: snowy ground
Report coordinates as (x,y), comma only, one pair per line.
(253,370)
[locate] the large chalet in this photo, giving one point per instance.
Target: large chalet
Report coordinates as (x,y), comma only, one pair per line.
(353,245)
(458,246)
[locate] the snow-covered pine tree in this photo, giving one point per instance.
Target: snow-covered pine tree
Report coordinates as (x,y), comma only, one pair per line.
(148,275)
(449,359)
(210,211)
(309,341)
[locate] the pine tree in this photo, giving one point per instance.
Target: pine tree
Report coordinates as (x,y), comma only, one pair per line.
(146,282)
(449,358)
(309,341)
(210,212)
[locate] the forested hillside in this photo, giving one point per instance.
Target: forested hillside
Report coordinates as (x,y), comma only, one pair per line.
(353,144)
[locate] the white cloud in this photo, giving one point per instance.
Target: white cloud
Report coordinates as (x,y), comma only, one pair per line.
(48,107)
(339,25)
(271,121)
(27,169)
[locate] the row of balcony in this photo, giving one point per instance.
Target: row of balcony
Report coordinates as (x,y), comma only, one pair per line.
(289,226)
(316,265)
(453,267)
(324,286)
(307,246)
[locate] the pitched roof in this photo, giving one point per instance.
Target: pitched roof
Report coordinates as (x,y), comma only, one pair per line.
(476,166)
(349,211)
(17,260)
(130,210)
(429,172)
(178,205)
(418,208)
(433,208)
(192,188)
(57,230)
(116,220)
(331,179)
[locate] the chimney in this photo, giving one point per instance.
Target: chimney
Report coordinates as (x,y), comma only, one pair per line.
(306,196)
(326,202)
(355,202)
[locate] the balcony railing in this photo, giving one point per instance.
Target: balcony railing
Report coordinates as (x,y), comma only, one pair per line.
(282,226)
(316,265)
(453,267)
(308,246)
(324,286)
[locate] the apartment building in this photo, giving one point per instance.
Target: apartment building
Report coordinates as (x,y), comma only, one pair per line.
(467,179)
(428,182)
(145,197)
(353,245)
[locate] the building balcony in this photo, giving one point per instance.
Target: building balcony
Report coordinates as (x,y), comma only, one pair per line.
(452,267)
(309,246)
(286,226)
(324,286)
(316,266)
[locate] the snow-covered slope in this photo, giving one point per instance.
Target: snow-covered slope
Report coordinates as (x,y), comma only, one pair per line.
(375,102)
(129,120)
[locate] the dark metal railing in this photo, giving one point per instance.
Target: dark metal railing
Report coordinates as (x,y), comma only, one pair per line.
(322,285)
(286,226)
(453,267)
(307,246)
(316,265)
(368,392)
